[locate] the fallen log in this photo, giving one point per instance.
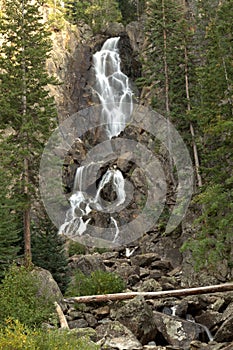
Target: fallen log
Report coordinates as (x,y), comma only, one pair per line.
(161,294)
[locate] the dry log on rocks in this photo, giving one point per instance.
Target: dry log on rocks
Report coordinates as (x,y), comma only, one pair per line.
(61,316)
(160,294)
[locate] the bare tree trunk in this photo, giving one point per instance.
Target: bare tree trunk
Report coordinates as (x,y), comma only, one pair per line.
(195,152)
(191,128)
(26,219)
(165,62)
(26,213)
(161,294)
(167,103)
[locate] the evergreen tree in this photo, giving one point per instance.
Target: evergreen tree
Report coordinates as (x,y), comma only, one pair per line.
(27,111)
(9,228)
(195,92)
(131,10)
(48,250)
(96,13)
(213,115)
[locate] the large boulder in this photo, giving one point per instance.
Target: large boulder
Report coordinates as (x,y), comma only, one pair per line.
(176,331)
(114,335)
(137,315)
(47,285)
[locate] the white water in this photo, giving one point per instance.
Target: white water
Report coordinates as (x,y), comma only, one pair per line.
(112,87)
(206,329)
(81,203)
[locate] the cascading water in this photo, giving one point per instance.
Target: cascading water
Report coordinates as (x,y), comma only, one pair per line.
(112,88)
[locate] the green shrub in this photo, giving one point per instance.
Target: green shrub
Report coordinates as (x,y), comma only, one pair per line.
(99,282)
(76,248)
(15,336)
(19,298)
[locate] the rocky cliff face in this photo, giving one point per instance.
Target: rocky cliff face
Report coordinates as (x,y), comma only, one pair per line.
(71,61)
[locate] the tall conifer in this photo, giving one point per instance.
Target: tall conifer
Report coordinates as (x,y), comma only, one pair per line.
(27,111)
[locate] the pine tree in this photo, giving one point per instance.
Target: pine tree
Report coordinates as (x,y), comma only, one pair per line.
(27,111)
(213,114)
(96,13)
(48,250)
(9,228)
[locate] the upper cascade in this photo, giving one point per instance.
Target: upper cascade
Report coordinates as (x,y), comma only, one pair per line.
(112,87)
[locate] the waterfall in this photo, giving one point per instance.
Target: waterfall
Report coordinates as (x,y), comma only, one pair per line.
(115,95)
(112,88)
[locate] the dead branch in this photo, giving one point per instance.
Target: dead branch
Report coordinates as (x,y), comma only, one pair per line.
(61,316)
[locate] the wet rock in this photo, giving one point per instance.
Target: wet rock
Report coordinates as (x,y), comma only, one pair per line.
(124,162)
(114,335)
(209,318)
(87,263)
(180,308)
(138,317)
(175,331)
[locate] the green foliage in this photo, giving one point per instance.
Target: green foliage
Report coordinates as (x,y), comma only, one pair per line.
(131,10)
(9,228)
(213,116)
(213,240)
(19,298)
(99,282)
(198,45)
(27,111)
(15,335)
(48,251)
(76,248)
(97,13)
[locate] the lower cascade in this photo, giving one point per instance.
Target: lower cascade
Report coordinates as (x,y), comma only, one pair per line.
(115,95)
